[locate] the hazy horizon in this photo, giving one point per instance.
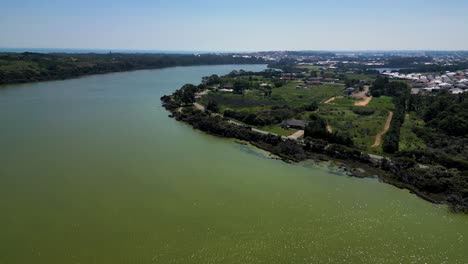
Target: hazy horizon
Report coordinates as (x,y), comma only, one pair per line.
(240,26)
(155,51)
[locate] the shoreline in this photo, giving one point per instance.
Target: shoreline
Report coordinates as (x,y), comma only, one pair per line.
(352,162)
(30,67)
(6,85)
(355,170)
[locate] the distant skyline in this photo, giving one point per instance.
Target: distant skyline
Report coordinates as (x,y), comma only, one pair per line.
(216,26)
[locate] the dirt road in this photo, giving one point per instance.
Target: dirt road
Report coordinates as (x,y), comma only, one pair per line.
(199,106)
(297,135)
(378,137)
(363,102)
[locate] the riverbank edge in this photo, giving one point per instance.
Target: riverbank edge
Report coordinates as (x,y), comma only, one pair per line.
(75,75)
(3,85)
(361,170)
(351,166)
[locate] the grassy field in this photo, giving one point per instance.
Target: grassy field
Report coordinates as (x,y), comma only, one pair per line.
(310,67)
(300,97)
(358,76)
(254,100)
(11,66)
(383,102)
(408,139)
(343,101)
(276,129)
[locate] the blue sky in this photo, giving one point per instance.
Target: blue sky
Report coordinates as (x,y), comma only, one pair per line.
(209,25)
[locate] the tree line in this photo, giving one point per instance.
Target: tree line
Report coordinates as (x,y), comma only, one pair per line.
(31,67)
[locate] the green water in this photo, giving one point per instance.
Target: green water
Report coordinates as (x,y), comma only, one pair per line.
(93,171)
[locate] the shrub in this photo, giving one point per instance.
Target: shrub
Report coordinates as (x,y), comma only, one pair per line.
(365,111)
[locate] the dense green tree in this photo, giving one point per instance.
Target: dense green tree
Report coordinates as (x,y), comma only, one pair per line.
(212,106)
(390,142)
(278,83)
(341,137)
(311,107)
(445,112)
(316,128)
(211,80)
(383,86)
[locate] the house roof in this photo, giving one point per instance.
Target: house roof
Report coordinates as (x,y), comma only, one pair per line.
(295,123)
(456,91)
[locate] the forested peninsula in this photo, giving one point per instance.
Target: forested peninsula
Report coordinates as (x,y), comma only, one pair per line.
(371,125)
(33,67)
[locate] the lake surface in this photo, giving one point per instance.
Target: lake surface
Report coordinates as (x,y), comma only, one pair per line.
(93,171)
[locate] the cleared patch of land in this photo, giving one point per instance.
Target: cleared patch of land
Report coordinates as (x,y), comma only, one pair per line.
(202,93)
(199,106)
(330,100)
(297,135)
(364,102)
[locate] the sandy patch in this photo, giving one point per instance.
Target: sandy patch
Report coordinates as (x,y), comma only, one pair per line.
(297,135)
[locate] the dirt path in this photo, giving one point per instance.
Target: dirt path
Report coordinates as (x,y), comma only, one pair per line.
(329,129)
(329,100)
(297,135)
(363,102)
(202,93)
(362,97)
(199,106)
(378,137)
(262,131)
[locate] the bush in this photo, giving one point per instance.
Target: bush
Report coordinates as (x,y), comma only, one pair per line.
(311,107)
(341,137)
(212,106)
(365,111)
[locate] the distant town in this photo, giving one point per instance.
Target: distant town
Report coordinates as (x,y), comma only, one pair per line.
(437,66)
(429,83)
